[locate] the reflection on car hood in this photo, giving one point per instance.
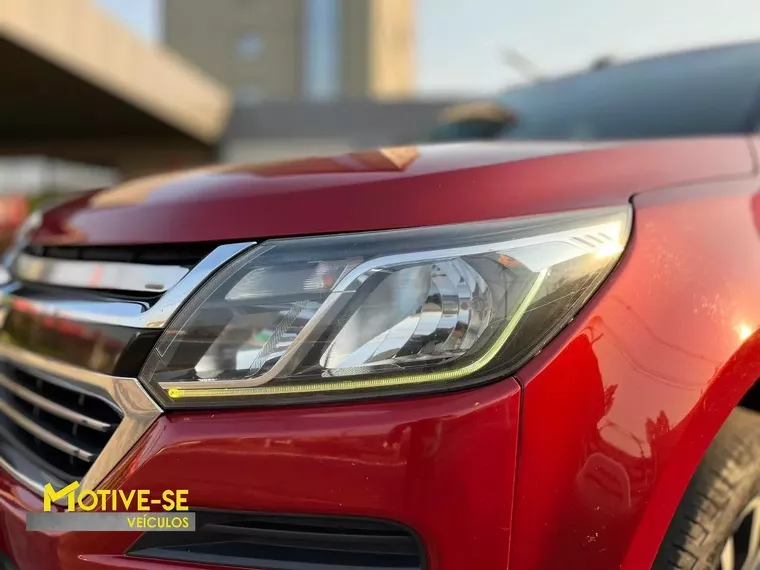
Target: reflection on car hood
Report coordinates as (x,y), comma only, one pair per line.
(382,189)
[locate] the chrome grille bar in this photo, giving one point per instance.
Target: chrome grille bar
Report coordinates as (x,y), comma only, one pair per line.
(126,393)
(50,429)
(114,275)
(131,314)
(51,407)
(43,434)
(22,477)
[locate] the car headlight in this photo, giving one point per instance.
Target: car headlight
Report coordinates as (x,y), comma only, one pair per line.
(366,314)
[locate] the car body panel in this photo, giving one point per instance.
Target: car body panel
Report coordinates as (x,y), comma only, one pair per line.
(629,396)
(579,461)
(385,189)
(423,462)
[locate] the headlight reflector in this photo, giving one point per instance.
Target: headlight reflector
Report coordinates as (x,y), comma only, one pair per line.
(409,310)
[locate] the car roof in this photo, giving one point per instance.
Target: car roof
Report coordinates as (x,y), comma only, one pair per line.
(702,54)
(703,92)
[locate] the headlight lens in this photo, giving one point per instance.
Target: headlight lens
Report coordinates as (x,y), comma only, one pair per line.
(361,314)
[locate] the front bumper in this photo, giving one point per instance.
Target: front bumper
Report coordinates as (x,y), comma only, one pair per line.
(444,466)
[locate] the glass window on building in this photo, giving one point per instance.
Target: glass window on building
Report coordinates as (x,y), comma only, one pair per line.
(322,50)
(250,45)
(250,94)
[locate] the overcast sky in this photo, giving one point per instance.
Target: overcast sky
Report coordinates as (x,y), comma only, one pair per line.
(460,43)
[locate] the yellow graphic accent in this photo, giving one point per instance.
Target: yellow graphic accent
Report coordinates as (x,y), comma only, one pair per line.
(448,375)
(51,495)
(108,500)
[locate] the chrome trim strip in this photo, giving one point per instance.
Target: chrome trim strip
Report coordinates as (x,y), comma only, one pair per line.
(42,434)
(157,317)
(28,482)
(115,275)
(140,411)
(133,314)
(52,407)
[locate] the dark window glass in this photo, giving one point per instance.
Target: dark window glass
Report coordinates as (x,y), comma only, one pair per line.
(704,92)
(695,93)
(469,129)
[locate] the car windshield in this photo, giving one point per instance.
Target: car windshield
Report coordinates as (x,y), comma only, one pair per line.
(694,93)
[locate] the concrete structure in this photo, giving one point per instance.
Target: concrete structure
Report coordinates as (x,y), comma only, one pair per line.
(298,49)
(79,86)
(36,174)
(280,130)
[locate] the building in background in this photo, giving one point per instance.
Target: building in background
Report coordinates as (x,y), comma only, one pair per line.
(80,87)
(298,49)
(86,101)
(31,175)
(309,77)
(276,130)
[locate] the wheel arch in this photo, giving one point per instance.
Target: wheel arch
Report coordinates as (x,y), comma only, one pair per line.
(736,384)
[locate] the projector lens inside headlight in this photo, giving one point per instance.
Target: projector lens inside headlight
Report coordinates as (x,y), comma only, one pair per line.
(380,312)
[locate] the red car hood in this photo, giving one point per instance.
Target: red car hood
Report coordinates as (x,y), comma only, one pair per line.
(383,189)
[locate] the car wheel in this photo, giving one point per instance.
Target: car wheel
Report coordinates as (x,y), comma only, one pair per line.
(717,524)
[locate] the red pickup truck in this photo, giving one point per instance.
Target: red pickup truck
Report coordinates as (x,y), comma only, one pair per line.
(522,355)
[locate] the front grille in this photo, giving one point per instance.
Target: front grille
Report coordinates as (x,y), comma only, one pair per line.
(186,255)
(57,426)
(76,324)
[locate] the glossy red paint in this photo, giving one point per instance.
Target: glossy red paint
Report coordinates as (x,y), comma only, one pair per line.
(391,188)
(620,408)
(423,462)
(611,417)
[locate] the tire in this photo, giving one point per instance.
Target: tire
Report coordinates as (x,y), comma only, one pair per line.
(719,503)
